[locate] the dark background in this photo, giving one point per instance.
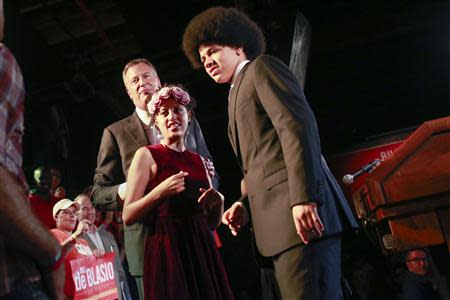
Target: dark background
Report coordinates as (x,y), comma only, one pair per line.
(374,67)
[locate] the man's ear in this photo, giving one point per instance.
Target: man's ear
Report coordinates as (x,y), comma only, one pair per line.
(240,51)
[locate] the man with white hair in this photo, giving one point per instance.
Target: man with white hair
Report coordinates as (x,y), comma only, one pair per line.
(120,141)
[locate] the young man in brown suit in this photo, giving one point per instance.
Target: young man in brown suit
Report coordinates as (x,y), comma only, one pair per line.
(298,210)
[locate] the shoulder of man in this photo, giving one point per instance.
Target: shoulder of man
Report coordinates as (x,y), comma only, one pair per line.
(121,122)
(267,59)
(119,125)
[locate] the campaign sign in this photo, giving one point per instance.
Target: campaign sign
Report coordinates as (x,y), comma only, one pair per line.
(94,277)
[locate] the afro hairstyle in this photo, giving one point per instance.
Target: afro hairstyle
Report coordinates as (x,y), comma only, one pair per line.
(222,26)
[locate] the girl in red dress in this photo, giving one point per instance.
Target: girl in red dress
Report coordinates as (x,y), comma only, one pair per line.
(169,191)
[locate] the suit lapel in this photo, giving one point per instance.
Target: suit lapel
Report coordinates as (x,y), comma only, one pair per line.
(136,130)
(90,242)
(232,99)
(232,119)
(105,241)
(102,236)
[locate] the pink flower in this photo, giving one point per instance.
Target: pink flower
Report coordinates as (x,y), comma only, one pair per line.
(165,93)
(177,93)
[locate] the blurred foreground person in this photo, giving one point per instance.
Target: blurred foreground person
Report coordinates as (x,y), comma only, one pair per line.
(28,252)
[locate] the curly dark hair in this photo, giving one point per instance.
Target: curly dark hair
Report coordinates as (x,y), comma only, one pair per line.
(222,26)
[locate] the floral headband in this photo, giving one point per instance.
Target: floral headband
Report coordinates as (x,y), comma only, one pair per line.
(165,93)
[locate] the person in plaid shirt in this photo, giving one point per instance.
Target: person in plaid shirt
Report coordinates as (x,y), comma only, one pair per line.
(28,252)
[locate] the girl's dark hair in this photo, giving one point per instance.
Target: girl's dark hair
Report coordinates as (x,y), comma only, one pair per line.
(222,26)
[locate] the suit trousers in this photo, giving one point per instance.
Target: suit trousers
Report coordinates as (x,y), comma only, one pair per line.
(310,272)
(140,286)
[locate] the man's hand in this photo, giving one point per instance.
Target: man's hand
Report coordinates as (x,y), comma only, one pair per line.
(209,199)
(307,221)
(209,167)
(235,217)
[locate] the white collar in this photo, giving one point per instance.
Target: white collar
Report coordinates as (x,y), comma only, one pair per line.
(143,115)
(238,69)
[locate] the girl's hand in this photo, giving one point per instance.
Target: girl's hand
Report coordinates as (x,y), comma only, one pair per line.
(172,185)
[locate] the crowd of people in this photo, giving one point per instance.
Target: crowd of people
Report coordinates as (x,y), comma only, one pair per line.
(154,204)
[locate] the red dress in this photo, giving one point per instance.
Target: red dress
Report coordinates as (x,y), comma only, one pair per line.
(181,260)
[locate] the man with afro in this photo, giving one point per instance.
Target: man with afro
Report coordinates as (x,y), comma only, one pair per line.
(297,208)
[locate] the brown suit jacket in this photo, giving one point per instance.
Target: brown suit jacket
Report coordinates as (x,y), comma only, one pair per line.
(274,135)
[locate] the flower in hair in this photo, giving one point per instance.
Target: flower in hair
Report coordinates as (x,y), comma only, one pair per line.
(165,93)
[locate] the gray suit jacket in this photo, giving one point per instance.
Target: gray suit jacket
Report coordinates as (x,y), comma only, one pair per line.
(110,245)
(275,137)
(119,143)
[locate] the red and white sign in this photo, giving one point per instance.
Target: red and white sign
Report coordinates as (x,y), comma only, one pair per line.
(94,278)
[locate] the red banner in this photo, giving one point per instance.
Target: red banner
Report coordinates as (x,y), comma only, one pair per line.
(94,277)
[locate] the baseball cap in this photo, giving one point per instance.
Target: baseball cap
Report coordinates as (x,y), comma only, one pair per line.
(64,204)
